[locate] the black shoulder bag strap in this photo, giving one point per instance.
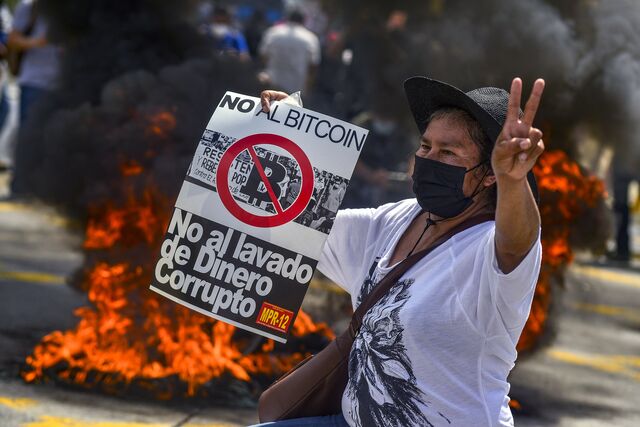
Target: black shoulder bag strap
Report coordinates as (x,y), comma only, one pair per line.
(394,275)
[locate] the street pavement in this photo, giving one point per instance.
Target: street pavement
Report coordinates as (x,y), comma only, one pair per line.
(588,375)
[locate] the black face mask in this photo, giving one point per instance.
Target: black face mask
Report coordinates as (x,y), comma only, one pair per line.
(438,187)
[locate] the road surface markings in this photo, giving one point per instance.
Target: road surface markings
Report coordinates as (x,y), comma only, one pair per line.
(17,402)
(41,210)
(618,277)
(12,207)
(625,313)
(629,366)
(22,404)
(210,425)
(51,421)
(31,277)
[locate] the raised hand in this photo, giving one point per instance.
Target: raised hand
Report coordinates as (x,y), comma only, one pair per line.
(519,144)
(267,96)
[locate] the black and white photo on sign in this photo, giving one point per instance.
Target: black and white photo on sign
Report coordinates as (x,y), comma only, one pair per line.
(284,175)
(254,211)
(328,192)
(212,145)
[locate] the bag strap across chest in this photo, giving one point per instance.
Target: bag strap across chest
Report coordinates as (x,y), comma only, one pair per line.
(396,273)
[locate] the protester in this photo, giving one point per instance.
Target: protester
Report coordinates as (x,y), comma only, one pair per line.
(254,30)
(437,348)
(625,171)
(330,80)
(5,24)
(291,53)
(227,39)
(39,65)
(380,176)
(381,47)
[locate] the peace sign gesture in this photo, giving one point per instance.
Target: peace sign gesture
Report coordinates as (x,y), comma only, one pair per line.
(519,144)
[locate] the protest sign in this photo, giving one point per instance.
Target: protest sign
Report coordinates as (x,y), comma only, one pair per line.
(255,208)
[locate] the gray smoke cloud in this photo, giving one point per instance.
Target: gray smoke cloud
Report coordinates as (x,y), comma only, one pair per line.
(152,118)
(611,63)
(587,51)
(124,65)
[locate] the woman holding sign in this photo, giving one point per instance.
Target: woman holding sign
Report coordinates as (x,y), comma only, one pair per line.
(436,348)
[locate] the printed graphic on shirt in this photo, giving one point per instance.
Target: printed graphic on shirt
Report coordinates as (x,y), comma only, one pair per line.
(370,282)
(382,387)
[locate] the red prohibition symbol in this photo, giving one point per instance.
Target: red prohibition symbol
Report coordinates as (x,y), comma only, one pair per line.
(282,216)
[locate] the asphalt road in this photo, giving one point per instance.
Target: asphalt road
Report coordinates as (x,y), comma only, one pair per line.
(588,376)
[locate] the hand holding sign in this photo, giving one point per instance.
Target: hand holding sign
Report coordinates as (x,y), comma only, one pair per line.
(269,96)
(247,232)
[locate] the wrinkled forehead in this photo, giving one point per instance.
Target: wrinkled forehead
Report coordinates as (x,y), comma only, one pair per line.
(454,121)
(453,131)
(455,116)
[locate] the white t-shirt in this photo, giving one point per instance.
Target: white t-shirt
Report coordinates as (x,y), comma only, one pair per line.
(40,66)
(290,50)
(437,349)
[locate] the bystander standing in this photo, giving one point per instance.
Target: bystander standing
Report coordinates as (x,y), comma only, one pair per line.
(381,174)
(227,38)
(291,53)
(5,24)
(39,63)
(37,67)
(254,30)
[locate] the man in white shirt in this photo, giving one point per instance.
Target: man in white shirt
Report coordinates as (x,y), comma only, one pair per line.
(291,53)
(40,66)
(437,348)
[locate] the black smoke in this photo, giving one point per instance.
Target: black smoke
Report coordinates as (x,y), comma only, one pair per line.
(587,51)
(123,65)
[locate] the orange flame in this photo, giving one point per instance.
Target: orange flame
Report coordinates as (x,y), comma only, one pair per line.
(565,194)
(135,221)
(160,124)
(131,335)
(131,168)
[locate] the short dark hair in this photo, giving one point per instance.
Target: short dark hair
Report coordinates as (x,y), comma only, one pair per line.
(296,16)
(477,135)
(220,11)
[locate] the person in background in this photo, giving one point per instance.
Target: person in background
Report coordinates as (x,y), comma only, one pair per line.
(330,81)
(291,54)
(254,30)
(624,173)
(5,23)
(40,62)
(227,38)
(381,173)
(38,73)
